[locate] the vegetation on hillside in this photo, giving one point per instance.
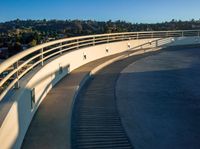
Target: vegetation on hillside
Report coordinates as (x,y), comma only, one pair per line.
(18,34)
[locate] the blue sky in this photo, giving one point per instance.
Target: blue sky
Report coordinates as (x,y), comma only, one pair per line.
(101,10)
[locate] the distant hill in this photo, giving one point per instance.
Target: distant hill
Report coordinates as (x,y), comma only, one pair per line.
(81,27)
(18,35)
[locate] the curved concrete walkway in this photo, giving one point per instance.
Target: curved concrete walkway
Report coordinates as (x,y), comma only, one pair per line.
(96,121)
(50,127)
(159,100)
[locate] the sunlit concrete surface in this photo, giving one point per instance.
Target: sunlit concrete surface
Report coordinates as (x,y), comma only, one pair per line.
(158,98)
(51,125)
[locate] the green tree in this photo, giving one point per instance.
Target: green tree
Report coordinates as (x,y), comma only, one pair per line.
(33,43)
(14,48)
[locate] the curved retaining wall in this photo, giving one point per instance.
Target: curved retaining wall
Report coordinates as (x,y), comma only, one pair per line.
(39,82)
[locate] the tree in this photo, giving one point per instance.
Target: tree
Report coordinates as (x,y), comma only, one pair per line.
(14,48)
(33,43)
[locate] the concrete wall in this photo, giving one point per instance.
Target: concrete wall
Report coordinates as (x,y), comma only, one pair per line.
(40,81)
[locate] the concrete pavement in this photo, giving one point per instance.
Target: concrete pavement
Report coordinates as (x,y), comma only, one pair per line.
(158,99)
(51,125)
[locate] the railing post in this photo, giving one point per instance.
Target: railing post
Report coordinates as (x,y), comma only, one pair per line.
(61,48)
(123,37)
(16,76)
(156,43)
(198,33)
(182,33)
(77,44)
(42,56)
(93,41)
(129,37)
(137,36)
(108,37)
(167,34)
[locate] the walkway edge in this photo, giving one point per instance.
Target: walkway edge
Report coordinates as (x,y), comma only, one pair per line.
(83,82)
(96,70)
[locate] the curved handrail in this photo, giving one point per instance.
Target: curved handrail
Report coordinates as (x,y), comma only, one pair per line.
(14,68)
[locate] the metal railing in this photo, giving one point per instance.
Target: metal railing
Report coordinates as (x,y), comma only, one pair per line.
(14,68)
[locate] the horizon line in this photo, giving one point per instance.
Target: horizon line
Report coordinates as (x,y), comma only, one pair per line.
(112,20)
